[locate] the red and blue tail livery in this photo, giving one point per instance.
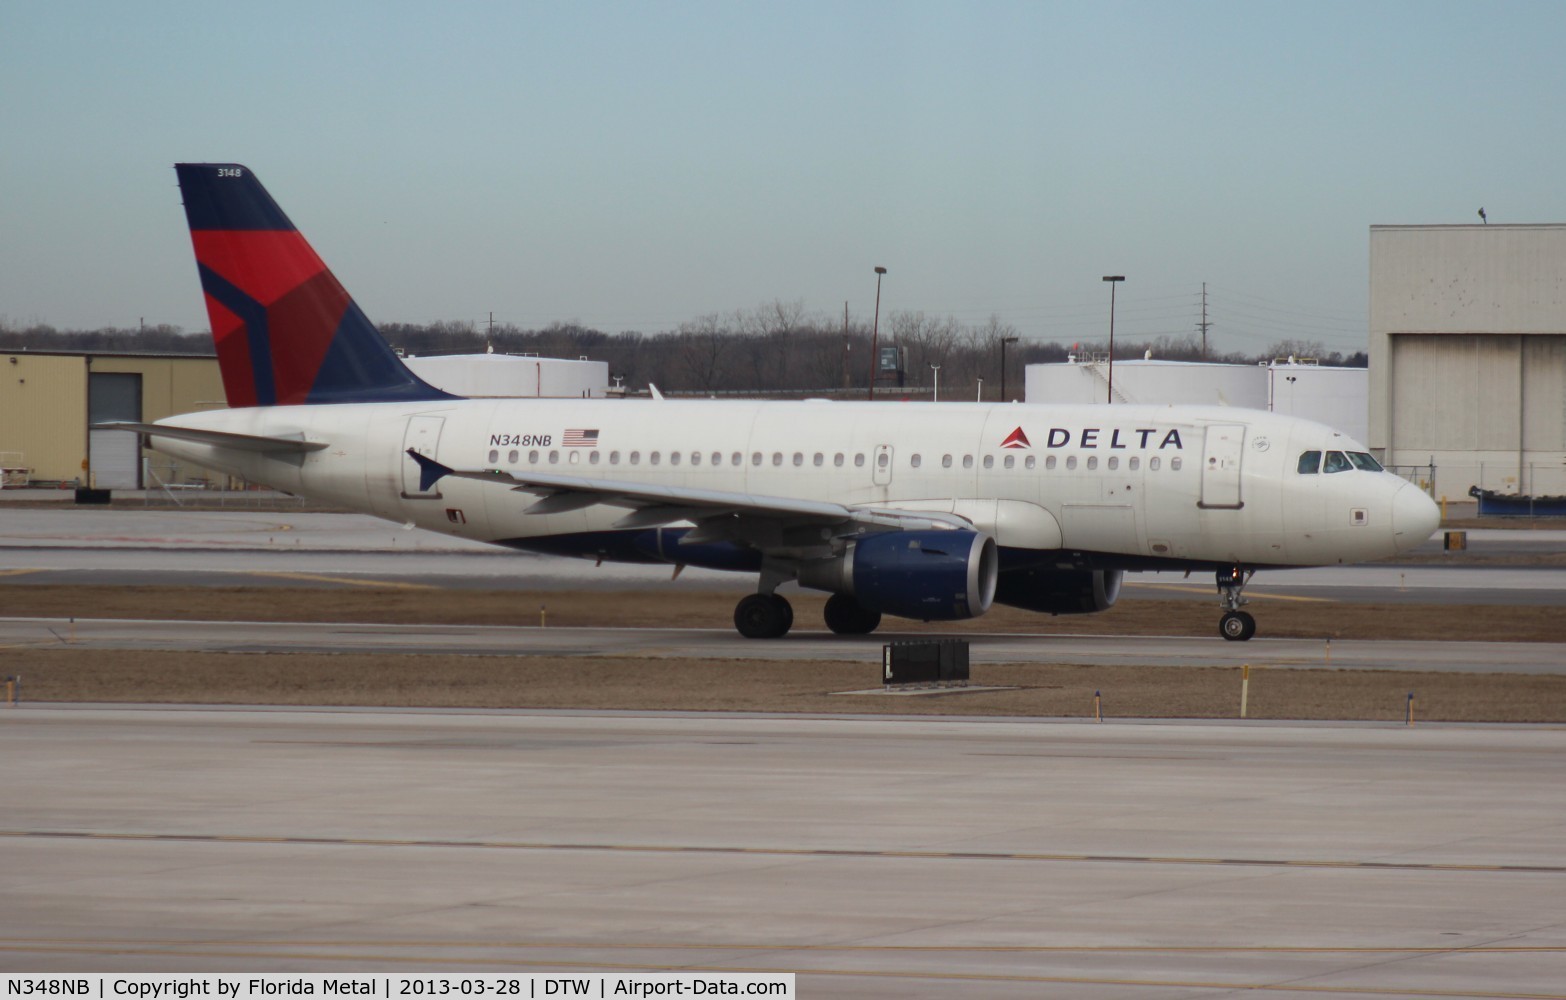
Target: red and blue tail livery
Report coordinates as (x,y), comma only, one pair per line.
(286,331)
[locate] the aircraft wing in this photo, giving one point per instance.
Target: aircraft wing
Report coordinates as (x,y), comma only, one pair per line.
(654,505)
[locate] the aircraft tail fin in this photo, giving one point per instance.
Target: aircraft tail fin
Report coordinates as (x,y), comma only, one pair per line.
(286,331)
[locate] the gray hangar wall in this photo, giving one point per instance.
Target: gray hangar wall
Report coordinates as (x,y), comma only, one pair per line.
(1468,354)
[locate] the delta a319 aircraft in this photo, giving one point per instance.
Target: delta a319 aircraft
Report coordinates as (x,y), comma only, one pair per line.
(918,510)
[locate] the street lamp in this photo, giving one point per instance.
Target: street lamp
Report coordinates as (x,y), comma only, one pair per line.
(1113,279)
(1004,342)
(937,370)
(875,331)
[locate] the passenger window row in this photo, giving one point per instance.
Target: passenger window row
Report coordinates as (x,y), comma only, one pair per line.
(694,459)
(819,459)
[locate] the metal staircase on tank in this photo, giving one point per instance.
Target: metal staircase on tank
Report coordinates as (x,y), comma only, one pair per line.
(1097,367)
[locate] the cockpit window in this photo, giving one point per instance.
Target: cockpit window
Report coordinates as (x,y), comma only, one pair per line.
(1338,462)
(1310,463)
(1364,460)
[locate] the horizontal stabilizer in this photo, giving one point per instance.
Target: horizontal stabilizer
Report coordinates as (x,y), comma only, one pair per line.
(218,439)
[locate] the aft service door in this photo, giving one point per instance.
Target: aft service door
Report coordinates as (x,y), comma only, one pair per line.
(422,436)
(1221,455)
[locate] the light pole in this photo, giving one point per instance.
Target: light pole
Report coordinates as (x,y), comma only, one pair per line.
(875,331)
(1113,279)
(1004,342)
(979,396)
(937,370)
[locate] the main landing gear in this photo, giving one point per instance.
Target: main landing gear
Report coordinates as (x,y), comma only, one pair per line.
(1235,625)
(846,616)
(768,616)
(763,616)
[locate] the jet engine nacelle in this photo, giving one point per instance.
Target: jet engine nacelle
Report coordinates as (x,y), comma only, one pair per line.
(928,575)
(1060,591)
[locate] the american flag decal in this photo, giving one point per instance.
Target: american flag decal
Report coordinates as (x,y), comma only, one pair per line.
(575,437)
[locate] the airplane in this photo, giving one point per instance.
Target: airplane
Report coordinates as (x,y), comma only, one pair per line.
(924,511)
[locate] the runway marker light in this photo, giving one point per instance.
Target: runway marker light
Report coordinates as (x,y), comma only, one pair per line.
(1098,713)
(1245,687)
(1408,719)
(10,691)
(543,616)
(1329,651)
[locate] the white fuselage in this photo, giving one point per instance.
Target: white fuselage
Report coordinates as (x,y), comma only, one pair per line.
(1137,485)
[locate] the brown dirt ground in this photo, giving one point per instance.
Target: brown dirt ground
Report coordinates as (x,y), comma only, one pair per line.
(1042,690)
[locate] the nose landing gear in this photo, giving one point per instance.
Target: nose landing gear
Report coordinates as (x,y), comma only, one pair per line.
(1235,625)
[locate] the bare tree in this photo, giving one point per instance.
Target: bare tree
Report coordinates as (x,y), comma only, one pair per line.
(1294,348)
(703,345)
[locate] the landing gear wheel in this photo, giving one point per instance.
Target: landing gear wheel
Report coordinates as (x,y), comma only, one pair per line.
(763,616)
(846,616)
(1237,626)
(786,610)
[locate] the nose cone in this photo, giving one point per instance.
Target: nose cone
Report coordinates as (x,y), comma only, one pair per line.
(1415,517)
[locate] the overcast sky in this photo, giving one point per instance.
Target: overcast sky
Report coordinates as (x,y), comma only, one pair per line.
(636,165)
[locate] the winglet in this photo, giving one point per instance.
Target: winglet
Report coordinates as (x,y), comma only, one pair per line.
(430,471)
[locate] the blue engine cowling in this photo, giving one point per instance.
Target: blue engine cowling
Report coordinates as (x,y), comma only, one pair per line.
(928,575)
(1060,591)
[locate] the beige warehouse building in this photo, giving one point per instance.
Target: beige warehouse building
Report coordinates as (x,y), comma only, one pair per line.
(1468,354)
(49,400)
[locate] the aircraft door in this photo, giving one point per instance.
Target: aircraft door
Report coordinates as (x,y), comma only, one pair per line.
(881,465)
(422,436)
(1222,452)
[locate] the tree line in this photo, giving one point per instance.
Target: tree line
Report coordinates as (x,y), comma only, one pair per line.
(776,347)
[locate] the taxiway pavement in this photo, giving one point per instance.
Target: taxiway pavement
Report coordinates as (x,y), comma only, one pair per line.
(120,546)
(800,644)
(885,858)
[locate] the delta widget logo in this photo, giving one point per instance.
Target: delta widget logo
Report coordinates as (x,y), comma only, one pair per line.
(1016,439)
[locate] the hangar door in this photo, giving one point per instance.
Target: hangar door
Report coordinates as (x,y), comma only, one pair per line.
(1221,455)
(114,457)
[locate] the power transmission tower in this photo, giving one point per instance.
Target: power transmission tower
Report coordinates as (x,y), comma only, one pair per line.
(1204,324)
(845,345)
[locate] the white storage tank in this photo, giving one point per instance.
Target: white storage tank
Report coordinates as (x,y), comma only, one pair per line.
(1337,397)
(512,375)
(1086,380)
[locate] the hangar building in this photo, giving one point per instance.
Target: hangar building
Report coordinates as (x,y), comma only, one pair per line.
(1468,354)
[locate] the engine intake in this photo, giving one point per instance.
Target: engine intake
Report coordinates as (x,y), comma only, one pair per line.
(928,575)
(1060,591)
